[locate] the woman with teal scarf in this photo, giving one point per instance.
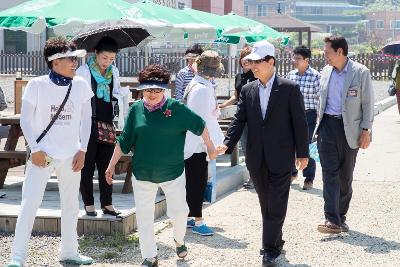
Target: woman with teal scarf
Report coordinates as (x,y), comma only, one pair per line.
(104,80)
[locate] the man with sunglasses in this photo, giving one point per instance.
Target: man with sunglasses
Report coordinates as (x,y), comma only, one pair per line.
(61,149)
(273,109)
(308,80)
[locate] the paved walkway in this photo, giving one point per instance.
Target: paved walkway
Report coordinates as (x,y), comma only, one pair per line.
(374,215)
(374,239)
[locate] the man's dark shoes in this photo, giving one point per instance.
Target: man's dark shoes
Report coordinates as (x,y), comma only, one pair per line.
(269,260)
(329,228)
(248,184)
(345,227)
(308,185)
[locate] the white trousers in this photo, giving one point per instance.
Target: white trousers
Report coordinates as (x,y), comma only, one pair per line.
(177,209)
(32,195)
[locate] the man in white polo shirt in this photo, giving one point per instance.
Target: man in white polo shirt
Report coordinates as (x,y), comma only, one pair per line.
(61,148)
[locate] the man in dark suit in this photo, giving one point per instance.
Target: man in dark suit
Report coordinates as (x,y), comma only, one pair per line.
(273,109)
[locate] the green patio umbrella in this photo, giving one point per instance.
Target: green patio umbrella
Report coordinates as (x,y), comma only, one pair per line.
(258,31)
(184,25)
(221,24)
(68,17)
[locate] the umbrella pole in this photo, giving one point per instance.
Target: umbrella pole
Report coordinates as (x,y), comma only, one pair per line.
(146,54)
(231,52)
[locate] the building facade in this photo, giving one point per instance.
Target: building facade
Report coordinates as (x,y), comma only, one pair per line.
(256,9)
(219,7)
(330,16)
(383,25)
(170,3)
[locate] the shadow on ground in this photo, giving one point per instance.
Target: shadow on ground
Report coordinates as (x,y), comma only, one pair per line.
(217,241)
(313,191)
(371,244)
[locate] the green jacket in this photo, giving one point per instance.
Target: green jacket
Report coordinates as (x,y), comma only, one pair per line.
(158,139)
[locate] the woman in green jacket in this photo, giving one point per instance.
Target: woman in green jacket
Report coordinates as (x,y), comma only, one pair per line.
(155,130)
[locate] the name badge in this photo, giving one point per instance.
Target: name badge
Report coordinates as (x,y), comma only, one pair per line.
(352,93)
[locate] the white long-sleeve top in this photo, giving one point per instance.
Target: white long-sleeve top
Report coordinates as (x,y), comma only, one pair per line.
(71,131)
(201,99)
(120,93)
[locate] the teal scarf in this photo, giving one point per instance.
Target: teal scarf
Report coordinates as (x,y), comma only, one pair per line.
(103,82)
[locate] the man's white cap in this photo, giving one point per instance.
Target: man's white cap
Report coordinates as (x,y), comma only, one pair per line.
(260,50)
(70,53)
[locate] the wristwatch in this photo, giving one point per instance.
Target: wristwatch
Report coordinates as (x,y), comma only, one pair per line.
(367,130)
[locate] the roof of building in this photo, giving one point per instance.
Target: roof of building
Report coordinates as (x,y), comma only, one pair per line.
(286,23)
(328,4)
(331,19)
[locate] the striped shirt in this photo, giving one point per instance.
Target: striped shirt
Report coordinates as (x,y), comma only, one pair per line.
(309,86)
(183,78)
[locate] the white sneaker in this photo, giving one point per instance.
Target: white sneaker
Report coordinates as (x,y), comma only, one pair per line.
(14,263)
(78,260)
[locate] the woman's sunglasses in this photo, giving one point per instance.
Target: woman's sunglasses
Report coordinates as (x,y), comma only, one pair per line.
(153,90)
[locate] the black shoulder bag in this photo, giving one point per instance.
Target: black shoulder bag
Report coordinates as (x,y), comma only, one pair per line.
(105,132)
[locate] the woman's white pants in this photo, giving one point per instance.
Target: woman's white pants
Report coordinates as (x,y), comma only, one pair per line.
(32,195)
(177,210)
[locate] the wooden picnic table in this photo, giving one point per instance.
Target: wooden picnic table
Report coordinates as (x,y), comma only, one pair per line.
(9,156)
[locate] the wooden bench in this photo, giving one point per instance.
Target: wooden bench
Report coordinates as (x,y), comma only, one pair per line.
(10,159)
(124,165)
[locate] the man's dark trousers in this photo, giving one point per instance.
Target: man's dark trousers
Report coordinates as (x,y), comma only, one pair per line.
(273,194)
(309,171)
(337,162)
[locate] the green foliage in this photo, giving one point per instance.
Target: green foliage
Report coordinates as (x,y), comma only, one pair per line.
(117,241)
(380,5)
(317,43)
(109,255)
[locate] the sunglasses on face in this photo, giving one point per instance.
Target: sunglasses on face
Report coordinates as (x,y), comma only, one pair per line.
(297,58)
(72,59)
(258,61)
(154,90)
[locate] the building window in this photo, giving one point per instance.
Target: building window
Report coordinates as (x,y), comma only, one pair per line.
(299,11)
(395,24)
(316,11)
(262,10)
(380,24)
(280,8)
(181,5)
(15,42)
(246,11)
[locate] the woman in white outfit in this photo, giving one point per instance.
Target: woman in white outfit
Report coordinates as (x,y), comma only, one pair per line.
(200,97)
(62,149)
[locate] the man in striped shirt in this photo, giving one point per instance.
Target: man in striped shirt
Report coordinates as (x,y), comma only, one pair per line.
(308,80)
(186,74)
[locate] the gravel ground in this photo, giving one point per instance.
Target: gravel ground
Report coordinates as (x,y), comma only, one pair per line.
(374,239)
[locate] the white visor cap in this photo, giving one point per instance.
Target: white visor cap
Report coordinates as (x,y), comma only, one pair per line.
(70,53)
